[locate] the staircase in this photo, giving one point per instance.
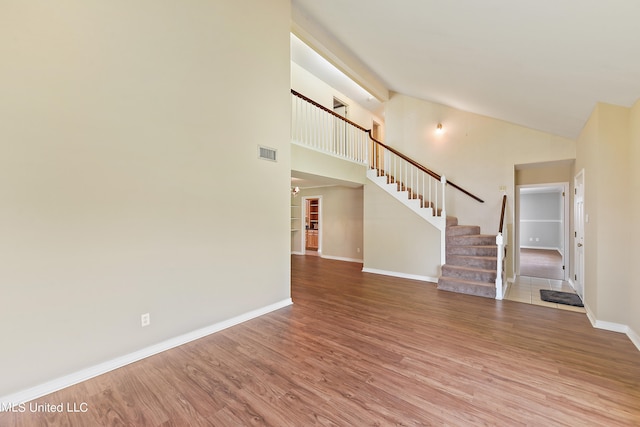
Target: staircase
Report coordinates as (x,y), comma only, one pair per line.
(471,261)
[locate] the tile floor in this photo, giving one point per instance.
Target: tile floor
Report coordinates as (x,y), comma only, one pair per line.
(527,289)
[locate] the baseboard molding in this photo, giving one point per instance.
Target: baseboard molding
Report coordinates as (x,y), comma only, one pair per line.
(546,248)
(339,258)
(613,327)
(297,253)
(102,368)
(634,337)
(400,275)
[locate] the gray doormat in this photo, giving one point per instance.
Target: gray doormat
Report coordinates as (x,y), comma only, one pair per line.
(566,298)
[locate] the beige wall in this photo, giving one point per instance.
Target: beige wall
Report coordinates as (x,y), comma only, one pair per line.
(545,173)
(310,86)
(633,194)
(129,135)
(397,240)
(341,226)
(476,152)
(605,152)
(316,163)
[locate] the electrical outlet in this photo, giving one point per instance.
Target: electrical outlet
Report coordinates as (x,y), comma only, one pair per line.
(358,250)
(145,320)
(502,188)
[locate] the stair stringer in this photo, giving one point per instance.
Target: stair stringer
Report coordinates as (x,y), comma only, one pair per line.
(439,222)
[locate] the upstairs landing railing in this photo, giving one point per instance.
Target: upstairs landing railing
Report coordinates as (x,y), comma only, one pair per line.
(321,129)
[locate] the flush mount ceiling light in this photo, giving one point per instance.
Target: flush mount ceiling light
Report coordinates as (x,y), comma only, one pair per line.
(439,129)
(295,191)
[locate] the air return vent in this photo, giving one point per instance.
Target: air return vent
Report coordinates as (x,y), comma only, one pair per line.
(267,153)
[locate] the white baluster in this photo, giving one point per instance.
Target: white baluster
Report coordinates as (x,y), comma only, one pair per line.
(443,180)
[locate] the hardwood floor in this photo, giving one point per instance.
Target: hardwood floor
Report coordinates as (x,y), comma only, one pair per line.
(361,349)
(543,263)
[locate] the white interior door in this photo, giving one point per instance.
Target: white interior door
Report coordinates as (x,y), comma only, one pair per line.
(578,209)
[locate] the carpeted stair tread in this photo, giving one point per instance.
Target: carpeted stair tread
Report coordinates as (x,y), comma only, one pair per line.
(452,221)
(463,230)
(477,261)
(478,250)
(469,273)
(471,240)
(469,287)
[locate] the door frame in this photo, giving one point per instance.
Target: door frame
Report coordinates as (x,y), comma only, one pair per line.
(566,252)
(580,219)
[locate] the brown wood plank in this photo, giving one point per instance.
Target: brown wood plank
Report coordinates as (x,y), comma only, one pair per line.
(363,349)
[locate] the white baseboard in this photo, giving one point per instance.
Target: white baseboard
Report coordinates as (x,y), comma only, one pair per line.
(339,258)
(401,275)
(297,253)
(102,368)
(546,248)
(634,337)
(614,327)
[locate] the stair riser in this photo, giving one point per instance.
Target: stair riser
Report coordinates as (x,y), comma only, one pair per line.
(479,276)
(464,288)
(471,240)
(487,263)
(462,230)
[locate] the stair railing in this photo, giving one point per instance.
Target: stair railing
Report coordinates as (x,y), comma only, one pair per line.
(501,240)
(317,127)
(418,181)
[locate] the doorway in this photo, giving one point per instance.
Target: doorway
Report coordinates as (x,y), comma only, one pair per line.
(340,128)
(312,244)
(543,231)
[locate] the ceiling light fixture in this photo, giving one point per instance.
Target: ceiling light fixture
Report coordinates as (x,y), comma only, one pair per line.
(439,129)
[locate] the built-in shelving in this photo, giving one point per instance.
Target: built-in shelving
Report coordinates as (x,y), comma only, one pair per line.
(296,218)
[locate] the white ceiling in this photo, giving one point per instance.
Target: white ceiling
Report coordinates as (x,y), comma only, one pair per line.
(311,61)
(541,64)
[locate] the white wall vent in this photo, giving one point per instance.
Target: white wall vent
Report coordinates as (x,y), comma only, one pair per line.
(267,153)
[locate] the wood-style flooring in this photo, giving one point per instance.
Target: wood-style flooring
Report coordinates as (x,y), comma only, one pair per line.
(359,349)
(543,263)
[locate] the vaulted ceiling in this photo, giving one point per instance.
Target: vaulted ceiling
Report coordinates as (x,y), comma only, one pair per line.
(542,64)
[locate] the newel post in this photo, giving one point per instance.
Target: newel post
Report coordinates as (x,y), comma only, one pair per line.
(443,232)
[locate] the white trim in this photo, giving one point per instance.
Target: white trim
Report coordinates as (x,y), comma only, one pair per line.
(601,324)
(613,327)
(546,248)
(558,221)
(102,368)
(297,253)
(339,258)
(400,275)
(564,221)
(634,337)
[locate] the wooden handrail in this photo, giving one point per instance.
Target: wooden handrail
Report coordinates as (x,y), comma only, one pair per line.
(322,107)
(504,205)
(422,168)
(397,153)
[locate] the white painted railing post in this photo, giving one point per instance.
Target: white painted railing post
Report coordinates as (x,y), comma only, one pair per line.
(443,180)
(443,216)
(500,242)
